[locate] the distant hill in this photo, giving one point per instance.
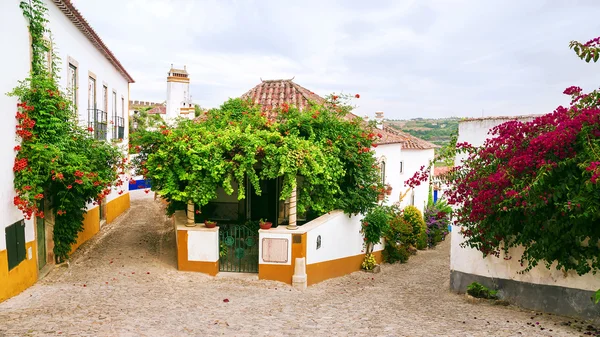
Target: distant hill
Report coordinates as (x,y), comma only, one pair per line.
(438,131)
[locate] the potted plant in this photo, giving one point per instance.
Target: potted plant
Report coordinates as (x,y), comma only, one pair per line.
(265,224)
(388,189)
(210,224)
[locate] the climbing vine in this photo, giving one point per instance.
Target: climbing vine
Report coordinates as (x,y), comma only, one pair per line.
(57,162)
(226,146)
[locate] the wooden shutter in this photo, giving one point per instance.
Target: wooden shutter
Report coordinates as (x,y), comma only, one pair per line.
(15,243)
(21,250)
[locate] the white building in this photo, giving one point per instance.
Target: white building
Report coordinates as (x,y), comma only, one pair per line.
(542,289)
(401,165)
(179,102)
(99,87)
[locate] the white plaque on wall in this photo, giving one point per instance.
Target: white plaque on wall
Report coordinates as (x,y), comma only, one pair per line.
(275,250)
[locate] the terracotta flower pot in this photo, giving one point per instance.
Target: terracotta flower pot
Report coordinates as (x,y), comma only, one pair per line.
(265,225)
(210,224)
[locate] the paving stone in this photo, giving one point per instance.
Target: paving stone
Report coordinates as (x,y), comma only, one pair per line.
(116,286)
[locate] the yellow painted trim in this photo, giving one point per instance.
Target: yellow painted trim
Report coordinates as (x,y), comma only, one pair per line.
(322,271)
(284,273)
(91,226)
(19,278)
(178,79)
(210,268)
(115,207)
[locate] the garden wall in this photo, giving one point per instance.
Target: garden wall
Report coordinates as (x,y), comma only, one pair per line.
(542,289)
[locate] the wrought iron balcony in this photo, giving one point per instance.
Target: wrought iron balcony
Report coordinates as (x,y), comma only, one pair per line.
(97,119)
(119,127)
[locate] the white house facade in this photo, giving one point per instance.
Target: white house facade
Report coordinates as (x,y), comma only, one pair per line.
(98,85)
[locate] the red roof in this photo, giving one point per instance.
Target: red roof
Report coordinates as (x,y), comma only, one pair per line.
(66,6)
(440,171)
(159,109)
(271,94)
(409,141)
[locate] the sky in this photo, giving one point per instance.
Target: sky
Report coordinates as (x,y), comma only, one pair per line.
(407,58)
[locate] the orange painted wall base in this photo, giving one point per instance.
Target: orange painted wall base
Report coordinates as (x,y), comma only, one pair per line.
(115,207)
(91,226)
(21,277)
(322,271)
(210,268)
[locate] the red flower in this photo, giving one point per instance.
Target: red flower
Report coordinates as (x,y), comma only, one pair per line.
(79,181)
(69,187)
(335,97)
(39,196)
(90,129)
(17,148)
(27,188)
(147,191)
(120,192)
(357,95)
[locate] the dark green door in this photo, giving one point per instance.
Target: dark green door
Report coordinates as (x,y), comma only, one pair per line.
(238,248)
(41,242)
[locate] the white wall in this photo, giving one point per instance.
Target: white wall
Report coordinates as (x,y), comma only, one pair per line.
(413,160)
(69,42)
(340,237)
(393,155)
(471,261)
(203,244)
(16,60)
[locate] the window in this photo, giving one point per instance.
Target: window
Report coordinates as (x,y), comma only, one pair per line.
(401,166)
(91,93)
(382,167)
(96,117)
(104,98)
(72,85)
(118,120)
(15,243)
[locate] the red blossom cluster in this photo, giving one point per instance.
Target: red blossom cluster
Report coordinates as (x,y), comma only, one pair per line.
(20,164)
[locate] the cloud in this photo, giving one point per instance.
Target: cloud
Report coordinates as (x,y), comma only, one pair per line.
(408,58)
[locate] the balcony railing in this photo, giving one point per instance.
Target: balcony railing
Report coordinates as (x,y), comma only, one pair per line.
(97,119)
(119,127)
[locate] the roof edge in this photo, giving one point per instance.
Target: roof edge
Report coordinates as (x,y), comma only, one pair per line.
(73,14)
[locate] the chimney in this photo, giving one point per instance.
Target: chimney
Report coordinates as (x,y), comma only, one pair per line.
(184,67)
(379,119)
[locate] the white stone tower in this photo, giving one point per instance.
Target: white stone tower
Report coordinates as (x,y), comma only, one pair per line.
(179,102)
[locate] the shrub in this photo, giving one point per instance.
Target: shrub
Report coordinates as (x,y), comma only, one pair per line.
(480,291)
(413,216)
(374,224)
(437,219)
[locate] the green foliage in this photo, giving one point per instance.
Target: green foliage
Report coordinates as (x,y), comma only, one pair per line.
(413,216)
(596,297)
(374,225)
(57,160)
(237,142)
(480,291)
(398,237)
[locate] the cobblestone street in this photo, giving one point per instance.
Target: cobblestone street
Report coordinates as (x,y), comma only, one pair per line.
(124,282)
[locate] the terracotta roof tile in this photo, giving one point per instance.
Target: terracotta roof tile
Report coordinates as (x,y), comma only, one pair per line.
(271,94)
(159,109)
(440,171)
(409,141)
(66,6)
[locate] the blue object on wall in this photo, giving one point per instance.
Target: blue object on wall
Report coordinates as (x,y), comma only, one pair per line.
(435,197)
(139,184)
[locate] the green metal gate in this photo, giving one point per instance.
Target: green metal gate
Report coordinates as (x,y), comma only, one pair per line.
(238,249)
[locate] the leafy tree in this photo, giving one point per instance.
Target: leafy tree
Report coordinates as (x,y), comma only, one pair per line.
(190,161)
